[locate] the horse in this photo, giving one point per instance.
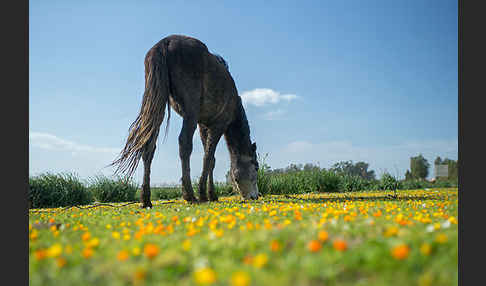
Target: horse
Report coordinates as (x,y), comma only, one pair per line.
(181,73)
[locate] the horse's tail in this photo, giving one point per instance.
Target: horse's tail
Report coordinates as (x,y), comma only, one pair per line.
(145,129)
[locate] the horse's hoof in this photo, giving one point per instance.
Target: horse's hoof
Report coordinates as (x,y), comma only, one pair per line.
(146,206)
(191,200)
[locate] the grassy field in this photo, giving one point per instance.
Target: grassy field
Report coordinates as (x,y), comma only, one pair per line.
(358,238)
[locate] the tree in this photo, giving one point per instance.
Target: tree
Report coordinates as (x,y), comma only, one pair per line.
(359,169)
(408,175)
(311,167)
(438,161)
(452,168)
(419,167)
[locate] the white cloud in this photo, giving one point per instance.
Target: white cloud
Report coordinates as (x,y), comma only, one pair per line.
(263,96)
(274,115)
(52,142)
(394,159)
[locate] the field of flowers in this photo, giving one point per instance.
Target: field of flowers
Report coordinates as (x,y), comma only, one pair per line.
(360,238)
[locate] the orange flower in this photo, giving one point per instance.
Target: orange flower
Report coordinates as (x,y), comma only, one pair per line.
(314,246)
(151,250)
(61,261)
(248,260)
(323,235)
(275,245)
(139,275)
(340,245)
(400,252)
(86,236)
(40,254)
(122,255)
(87,253)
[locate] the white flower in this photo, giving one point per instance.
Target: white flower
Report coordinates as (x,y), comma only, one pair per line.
(193,219)
(446,224)
(201,263)
(430,228)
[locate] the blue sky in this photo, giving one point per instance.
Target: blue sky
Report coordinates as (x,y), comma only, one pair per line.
(322,81)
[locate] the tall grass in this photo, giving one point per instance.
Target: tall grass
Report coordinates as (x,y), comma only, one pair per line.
(107,190)
(57,190)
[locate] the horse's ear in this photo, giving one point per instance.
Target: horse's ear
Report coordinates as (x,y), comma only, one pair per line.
(253,147)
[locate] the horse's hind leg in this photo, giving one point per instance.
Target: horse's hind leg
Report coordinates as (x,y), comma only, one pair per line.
(147,157)
(185,150)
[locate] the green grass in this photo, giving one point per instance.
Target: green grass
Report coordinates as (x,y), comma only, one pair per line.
(229,236)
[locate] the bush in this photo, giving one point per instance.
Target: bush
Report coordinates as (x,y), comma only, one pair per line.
(352,183)
(328,181)
(49,191)
(445,184)
(415,184)
(223,189)
(388,182)
(107,190)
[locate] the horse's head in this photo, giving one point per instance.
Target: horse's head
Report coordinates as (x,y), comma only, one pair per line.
(244,174)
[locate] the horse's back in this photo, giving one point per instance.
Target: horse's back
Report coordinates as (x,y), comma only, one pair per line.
(197,76)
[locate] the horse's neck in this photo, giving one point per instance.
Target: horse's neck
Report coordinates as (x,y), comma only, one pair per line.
(238,135)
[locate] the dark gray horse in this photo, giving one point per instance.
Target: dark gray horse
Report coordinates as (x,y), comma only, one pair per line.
(197,84)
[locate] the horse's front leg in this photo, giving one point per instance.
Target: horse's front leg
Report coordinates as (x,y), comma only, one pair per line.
(210,139)
(185,150)
(211,191)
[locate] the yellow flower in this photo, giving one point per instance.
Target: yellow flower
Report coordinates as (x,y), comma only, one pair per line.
(204,276)
(186,245)
(115,235)
(55,250)
(391,231)
(94,242)
(136,251)
(34,234)
(240,278)
(425,249)
(260,260)
(68,249)
(441,238)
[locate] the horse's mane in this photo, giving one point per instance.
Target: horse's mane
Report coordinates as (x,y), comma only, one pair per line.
(221,60)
